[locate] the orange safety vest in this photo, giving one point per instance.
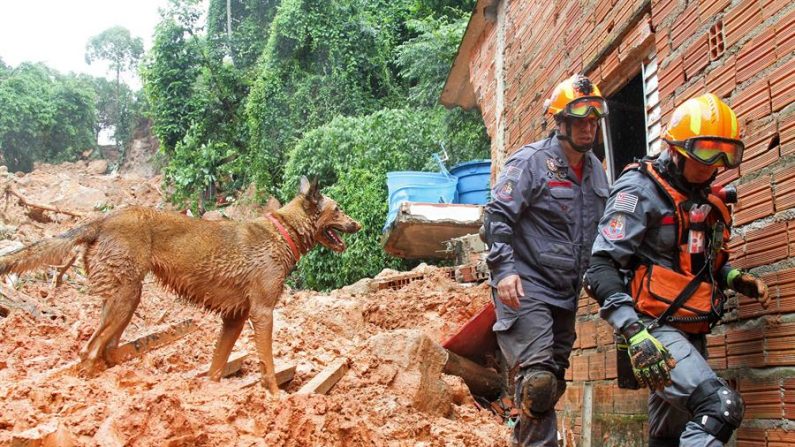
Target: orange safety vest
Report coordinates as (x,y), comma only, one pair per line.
(655,287)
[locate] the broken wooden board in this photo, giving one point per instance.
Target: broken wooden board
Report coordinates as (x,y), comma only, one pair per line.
(232,366)
(153,341)
(284,374)
(421,230)
(326,379)
(135,348)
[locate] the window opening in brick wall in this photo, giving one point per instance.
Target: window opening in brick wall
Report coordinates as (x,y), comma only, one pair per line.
(627,124)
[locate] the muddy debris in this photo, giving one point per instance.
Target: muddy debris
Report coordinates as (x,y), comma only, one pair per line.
(394,393)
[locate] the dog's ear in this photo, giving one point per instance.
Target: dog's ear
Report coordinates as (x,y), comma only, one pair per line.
(310,189)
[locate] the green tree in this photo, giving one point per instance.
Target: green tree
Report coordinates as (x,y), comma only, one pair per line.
(116,46)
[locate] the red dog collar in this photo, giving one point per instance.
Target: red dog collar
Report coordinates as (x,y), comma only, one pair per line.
(286,236)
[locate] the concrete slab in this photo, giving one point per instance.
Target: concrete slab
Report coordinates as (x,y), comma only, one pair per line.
(421,230)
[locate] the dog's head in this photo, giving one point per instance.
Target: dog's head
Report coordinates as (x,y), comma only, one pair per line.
(329,217)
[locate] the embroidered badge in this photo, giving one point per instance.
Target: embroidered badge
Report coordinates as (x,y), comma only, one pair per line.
(614,230)
(625,202)
(551,165)
(513,173)
(506,191)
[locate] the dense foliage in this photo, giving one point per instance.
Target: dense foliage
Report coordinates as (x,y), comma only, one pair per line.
(46,116)
(346,91)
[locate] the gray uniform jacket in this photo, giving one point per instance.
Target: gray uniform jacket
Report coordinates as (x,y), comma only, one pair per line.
(551,219)
(637,224)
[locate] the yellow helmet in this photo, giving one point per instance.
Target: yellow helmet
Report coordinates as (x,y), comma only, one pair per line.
(706,130)
(577,97)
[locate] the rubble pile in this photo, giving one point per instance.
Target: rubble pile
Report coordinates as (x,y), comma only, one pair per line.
(393,393)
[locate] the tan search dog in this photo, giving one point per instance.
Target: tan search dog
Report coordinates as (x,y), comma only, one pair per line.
(236,269)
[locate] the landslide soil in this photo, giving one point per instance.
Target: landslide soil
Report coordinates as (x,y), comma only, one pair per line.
(155,400)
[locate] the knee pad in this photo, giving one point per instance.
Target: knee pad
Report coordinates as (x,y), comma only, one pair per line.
(717,408)
(538,392)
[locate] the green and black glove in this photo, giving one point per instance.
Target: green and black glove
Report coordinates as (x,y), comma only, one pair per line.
(651,362)
(749,285)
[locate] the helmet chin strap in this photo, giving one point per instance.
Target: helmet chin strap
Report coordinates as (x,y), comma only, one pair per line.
(579,148)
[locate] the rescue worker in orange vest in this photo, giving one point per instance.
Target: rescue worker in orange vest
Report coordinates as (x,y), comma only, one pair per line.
(659,267)
(540,225)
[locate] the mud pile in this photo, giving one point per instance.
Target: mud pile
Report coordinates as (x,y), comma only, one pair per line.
(394,393)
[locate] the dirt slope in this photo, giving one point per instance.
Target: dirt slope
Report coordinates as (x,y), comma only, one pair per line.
(393,395)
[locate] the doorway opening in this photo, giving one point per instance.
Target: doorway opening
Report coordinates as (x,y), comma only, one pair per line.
(627,127)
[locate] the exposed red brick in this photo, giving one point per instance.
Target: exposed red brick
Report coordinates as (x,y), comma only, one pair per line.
(772,7)
(721,80)
(662,44)
(586,333)
(717,46)
(763,398)
(785,188)
(716,350)
(785,35)
(707,9)
(736,249)
(745,348)
(579,366)
(756,55)
(741,19)
(696,56)
(780,438)
(685,25)
(765,159)
(661,10)
(755,200)
(596,366)
(751,437)
(670,77)
(611,371)
(782,86)
(766,245)
(727,176)
(604,333)
(753,102)
(789,398)
(695,88)
(786,132)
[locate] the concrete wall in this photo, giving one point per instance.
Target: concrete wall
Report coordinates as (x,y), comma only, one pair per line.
(741,50)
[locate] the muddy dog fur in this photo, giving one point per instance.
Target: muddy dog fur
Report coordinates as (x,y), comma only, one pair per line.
(235,269)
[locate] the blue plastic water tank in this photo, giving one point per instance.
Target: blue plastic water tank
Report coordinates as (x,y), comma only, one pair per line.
(415,186)
(474,178)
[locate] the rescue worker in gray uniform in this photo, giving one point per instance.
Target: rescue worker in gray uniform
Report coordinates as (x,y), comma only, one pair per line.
(659,268)
(540,226)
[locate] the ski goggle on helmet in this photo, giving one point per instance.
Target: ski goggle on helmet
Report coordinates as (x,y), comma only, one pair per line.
(706,130)
(577,97)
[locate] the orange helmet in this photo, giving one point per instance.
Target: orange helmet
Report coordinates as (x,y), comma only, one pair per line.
(576,97)
(706,130)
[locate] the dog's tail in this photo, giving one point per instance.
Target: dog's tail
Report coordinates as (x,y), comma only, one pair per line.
(52,251)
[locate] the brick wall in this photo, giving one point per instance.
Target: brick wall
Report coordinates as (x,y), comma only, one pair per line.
(741,50)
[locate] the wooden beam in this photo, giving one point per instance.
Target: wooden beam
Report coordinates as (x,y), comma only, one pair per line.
(134,348)
(326,379)
(481,381)
(284,374)
(232,366)
(14,299)
(153,341)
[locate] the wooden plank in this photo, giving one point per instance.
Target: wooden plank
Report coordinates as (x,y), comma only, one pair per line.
(134,348)
(232,366)
(481,381)
(326,379)
(24,302)
(284,374)
(153,341)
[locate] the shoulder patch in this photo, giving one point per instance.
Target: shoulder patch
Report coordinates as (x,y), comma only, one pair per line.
(615,229)
(625,202)
(513,173)
(506,191)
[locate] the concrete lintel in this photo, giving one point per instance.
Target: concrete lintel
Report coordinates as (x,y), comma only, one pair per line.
(421,230)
